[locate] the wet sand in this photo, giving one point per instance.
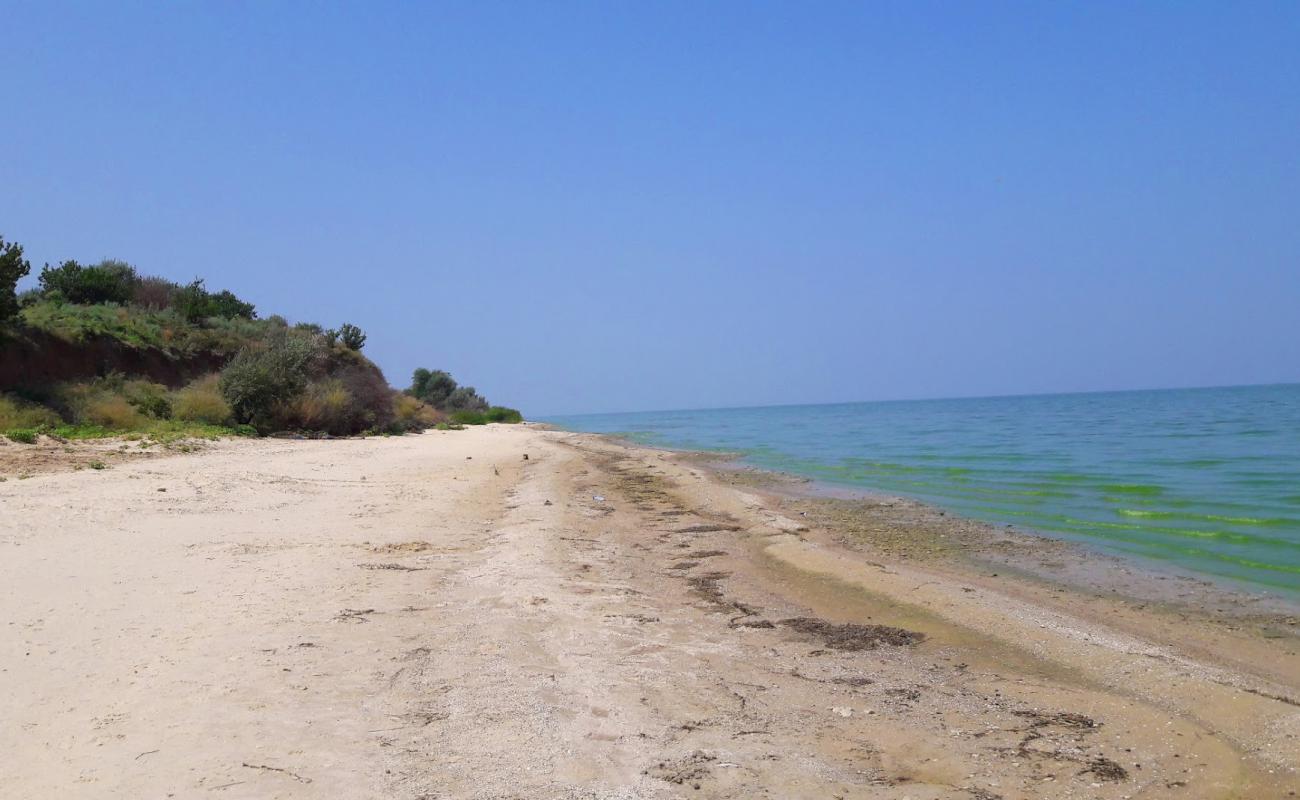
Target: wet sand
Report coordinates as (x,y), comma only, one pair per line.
(437,616)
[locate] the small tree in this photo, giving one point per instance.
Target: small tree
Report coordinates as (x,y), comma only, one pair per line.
(352,337)
(433,387)
(465,398)
(12,268)
(193,302)
(196,303)
(419,380)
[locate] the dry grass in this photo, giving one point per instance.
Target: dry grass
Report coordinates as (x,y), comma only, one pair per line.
(325,405)
(202,401)
(112,412)
(15,415)
(412,413)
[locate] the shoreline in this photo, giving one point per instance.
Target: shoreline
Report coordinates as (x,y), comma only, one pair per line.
(1090,569)
(1200,591)
(518,611)
(993,618)
(1169,605)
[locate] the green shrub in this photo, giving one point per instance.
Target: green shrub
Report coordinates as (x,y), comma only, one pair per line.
(148,398)
(12,268)
(419,382)
(465,398)
(261,380)
(493,414)
(22,435)
(432,386)
(195,303)
(202,401)
(228,306)
(352,337)
(191,302)
(106,282)
(503,414)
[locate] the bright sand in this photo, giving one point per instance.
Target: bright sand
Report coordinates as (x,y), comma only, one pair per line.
(437,616)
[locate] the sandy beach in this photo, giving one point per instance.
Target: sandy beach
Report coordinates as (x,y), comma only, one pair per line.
(516,612)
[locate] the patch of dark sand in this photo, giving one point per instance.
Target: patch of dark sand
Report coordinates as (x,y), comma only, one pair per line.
(851,636)
(688,769)
(706,586)
(1104,769)
(1064,719)
(402,547)
(394,567)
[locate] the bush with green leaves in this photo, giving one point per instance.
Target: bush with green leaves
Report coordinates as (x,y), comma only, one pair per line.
(12,268)
(510,416)
(194,302)
(351,337)
(22,435)
(439,389)
(151,399)
(432,386)
(109,281)
(493,414)
(262,378)
(465,398)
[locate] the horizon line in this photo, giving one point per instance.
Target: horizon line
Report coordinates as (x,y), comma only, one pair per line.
(926,399)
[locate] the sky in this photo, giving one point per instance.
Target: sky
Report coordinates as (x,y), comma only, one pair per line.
(583,207)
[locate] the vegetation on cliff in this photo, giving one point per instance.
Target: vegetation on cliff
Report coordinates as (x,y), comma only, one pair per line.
(99,349)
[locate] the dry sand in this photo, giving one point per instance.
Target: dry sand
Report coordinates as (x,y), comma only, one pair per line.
(436,616)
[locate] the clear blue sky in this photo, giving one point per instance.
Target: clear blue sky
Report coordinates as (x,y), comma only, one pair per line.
(615,206)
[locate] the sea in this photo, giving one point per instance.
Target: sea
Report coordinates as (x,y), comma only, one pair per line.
(1203,480)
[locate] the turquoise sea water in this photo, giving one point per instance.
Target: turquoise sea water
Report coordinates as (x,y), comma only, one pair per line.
(1205,479)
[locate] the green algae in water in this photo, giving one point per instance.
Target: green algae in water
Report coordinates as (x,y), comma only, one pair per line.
(1205,479)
